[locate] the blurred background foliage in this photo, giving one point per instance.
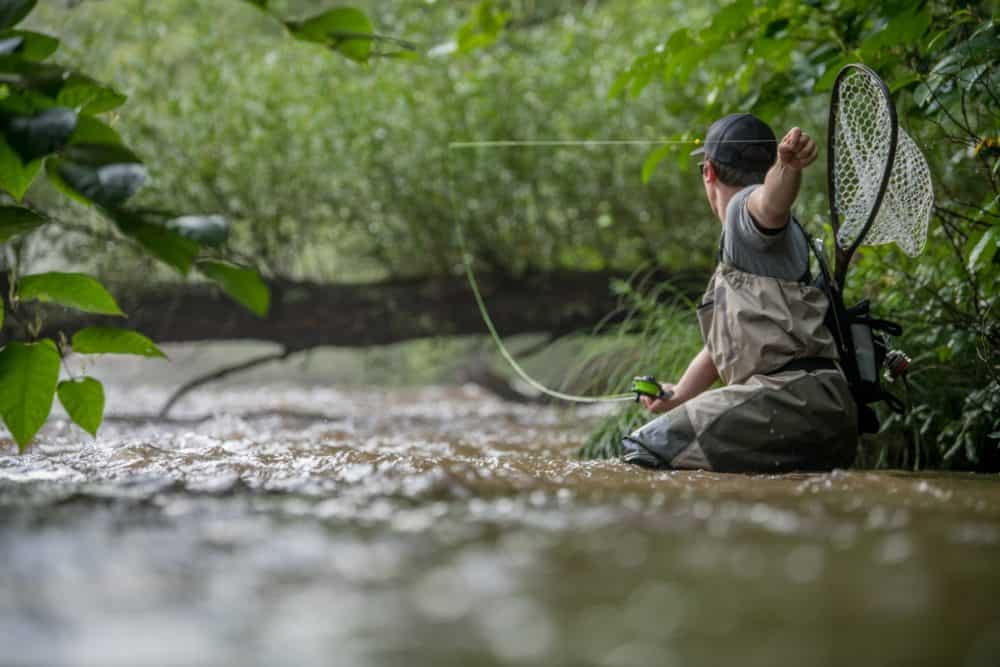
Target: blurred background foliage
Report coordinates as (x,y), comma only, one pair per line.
(330,170)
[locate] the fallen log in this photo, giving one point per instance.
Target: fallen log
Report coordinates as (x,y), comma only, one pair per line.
(305,315)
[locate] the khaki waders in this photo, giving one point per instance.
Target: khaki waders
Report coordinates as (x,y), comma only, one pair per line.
(786,405)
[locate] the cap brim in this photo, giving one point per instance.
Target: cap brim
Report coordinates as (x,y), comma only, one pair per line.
(698,151)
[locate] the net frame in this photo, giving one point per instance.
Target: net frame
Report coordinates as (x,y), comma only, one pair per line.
(885,106)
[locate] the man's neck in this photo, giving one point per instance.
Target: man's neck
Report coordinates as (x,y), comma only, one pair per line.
(723,193)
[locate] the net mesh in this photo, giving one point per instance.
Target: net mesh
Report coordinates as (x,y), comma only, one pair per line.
(862,136)
(906,208)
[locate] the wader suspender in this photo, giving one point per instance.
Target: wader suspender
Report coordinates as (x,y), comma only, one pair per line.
(862,350)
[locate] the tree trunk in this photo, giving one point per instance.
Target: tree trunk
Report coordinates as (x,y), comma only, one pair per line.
(305,315)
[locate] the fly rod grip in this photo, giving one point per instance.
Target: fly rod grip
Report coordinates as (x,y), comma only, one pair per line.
(647,385)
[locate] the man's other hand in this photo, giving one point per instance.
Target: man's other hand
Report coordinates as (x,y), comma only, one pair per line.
(668,402)
(797,150)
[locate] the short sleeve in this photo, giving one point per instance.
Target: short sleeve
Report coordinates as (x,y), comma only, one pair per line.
(781,253)
(742,231)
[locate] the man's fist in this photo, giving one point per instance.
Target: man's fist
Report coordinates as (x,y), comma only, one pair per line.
(667,402)
(797,149)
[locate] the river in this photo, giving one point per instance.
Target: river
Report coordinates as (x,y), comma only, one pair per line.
(440,526)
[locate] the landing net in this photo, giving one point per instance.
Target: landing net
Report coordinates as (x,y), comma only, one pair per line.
(881,190)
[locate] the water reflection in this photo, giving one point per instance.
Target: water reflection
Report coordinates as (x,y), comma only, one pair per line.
(457,530)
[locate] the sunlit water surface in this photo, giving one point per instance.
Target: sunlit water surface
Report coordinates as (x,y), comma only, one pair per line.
(443,527)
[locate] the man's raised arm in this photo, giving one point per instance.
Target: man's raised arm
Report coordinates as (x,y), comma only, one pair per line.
(771,204)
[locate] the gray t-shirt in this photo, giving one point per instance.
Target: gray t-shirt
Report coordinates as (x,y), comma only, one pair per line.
(783,254)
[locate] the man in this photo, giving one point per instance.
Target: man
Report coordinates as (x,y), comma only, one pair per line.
(785,404)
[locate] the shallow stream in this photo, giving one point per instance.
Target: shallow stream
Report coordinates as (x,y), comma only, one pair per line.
(444,527)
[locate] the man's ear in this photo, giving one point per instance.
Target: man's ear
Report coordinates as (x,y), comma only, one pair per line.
(708,174)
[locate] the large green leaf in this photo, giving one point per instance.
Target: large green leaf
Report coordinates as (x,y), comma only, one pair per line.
(43,78)
(83,93)
(62,86)
(15,220)
(107,185)
(346,30)
(106,174)
(12,11)
(164,244)
(28,376)
(15,176)
(906,27)
(244,285)
(29,45)
(654,159)
(83,400)
(22,102)
(76,290)
(34,137)
(112,340)
(207,230)
(90,130)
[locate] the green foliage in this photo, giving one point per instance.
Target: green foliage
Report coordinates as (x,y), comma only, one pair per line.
(15,220)
(34,137)
(76,290)
(244,285)
(111,340)
(483,28)
(12,11)
(157,239)
(332,173)
(87,96)
(83,400)
(346,30)
(656,338)
(29,45)
(106,175)
(15,176)
(49,123)
(28,375)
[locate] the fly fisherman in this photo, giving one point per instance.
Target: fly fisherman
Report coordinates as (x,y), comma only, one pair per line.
(785,404)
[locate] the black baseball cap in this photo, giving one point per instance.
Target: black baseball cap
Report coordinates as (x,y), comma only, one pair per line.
(742,141)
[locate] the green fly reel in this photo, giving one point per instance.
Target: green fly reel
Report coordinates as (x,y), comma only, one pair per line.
(646,385)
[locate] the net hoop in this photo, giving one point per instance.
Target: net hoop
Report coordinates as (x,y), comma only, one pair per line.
(843,255)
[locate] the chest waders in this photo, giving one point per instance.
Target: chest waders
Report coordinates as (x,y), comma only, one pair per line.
(786,405)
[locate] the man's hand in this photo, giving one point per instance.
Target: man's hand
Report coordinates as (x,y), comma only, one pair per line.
(797,150)
(668,402)
(771,204)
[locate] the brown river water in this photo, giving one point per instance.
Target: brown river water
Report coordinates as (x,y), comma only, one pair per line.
(443,527)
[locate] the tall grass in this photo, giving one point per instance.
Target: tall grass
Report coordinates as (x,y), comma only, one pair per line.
(659,336)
